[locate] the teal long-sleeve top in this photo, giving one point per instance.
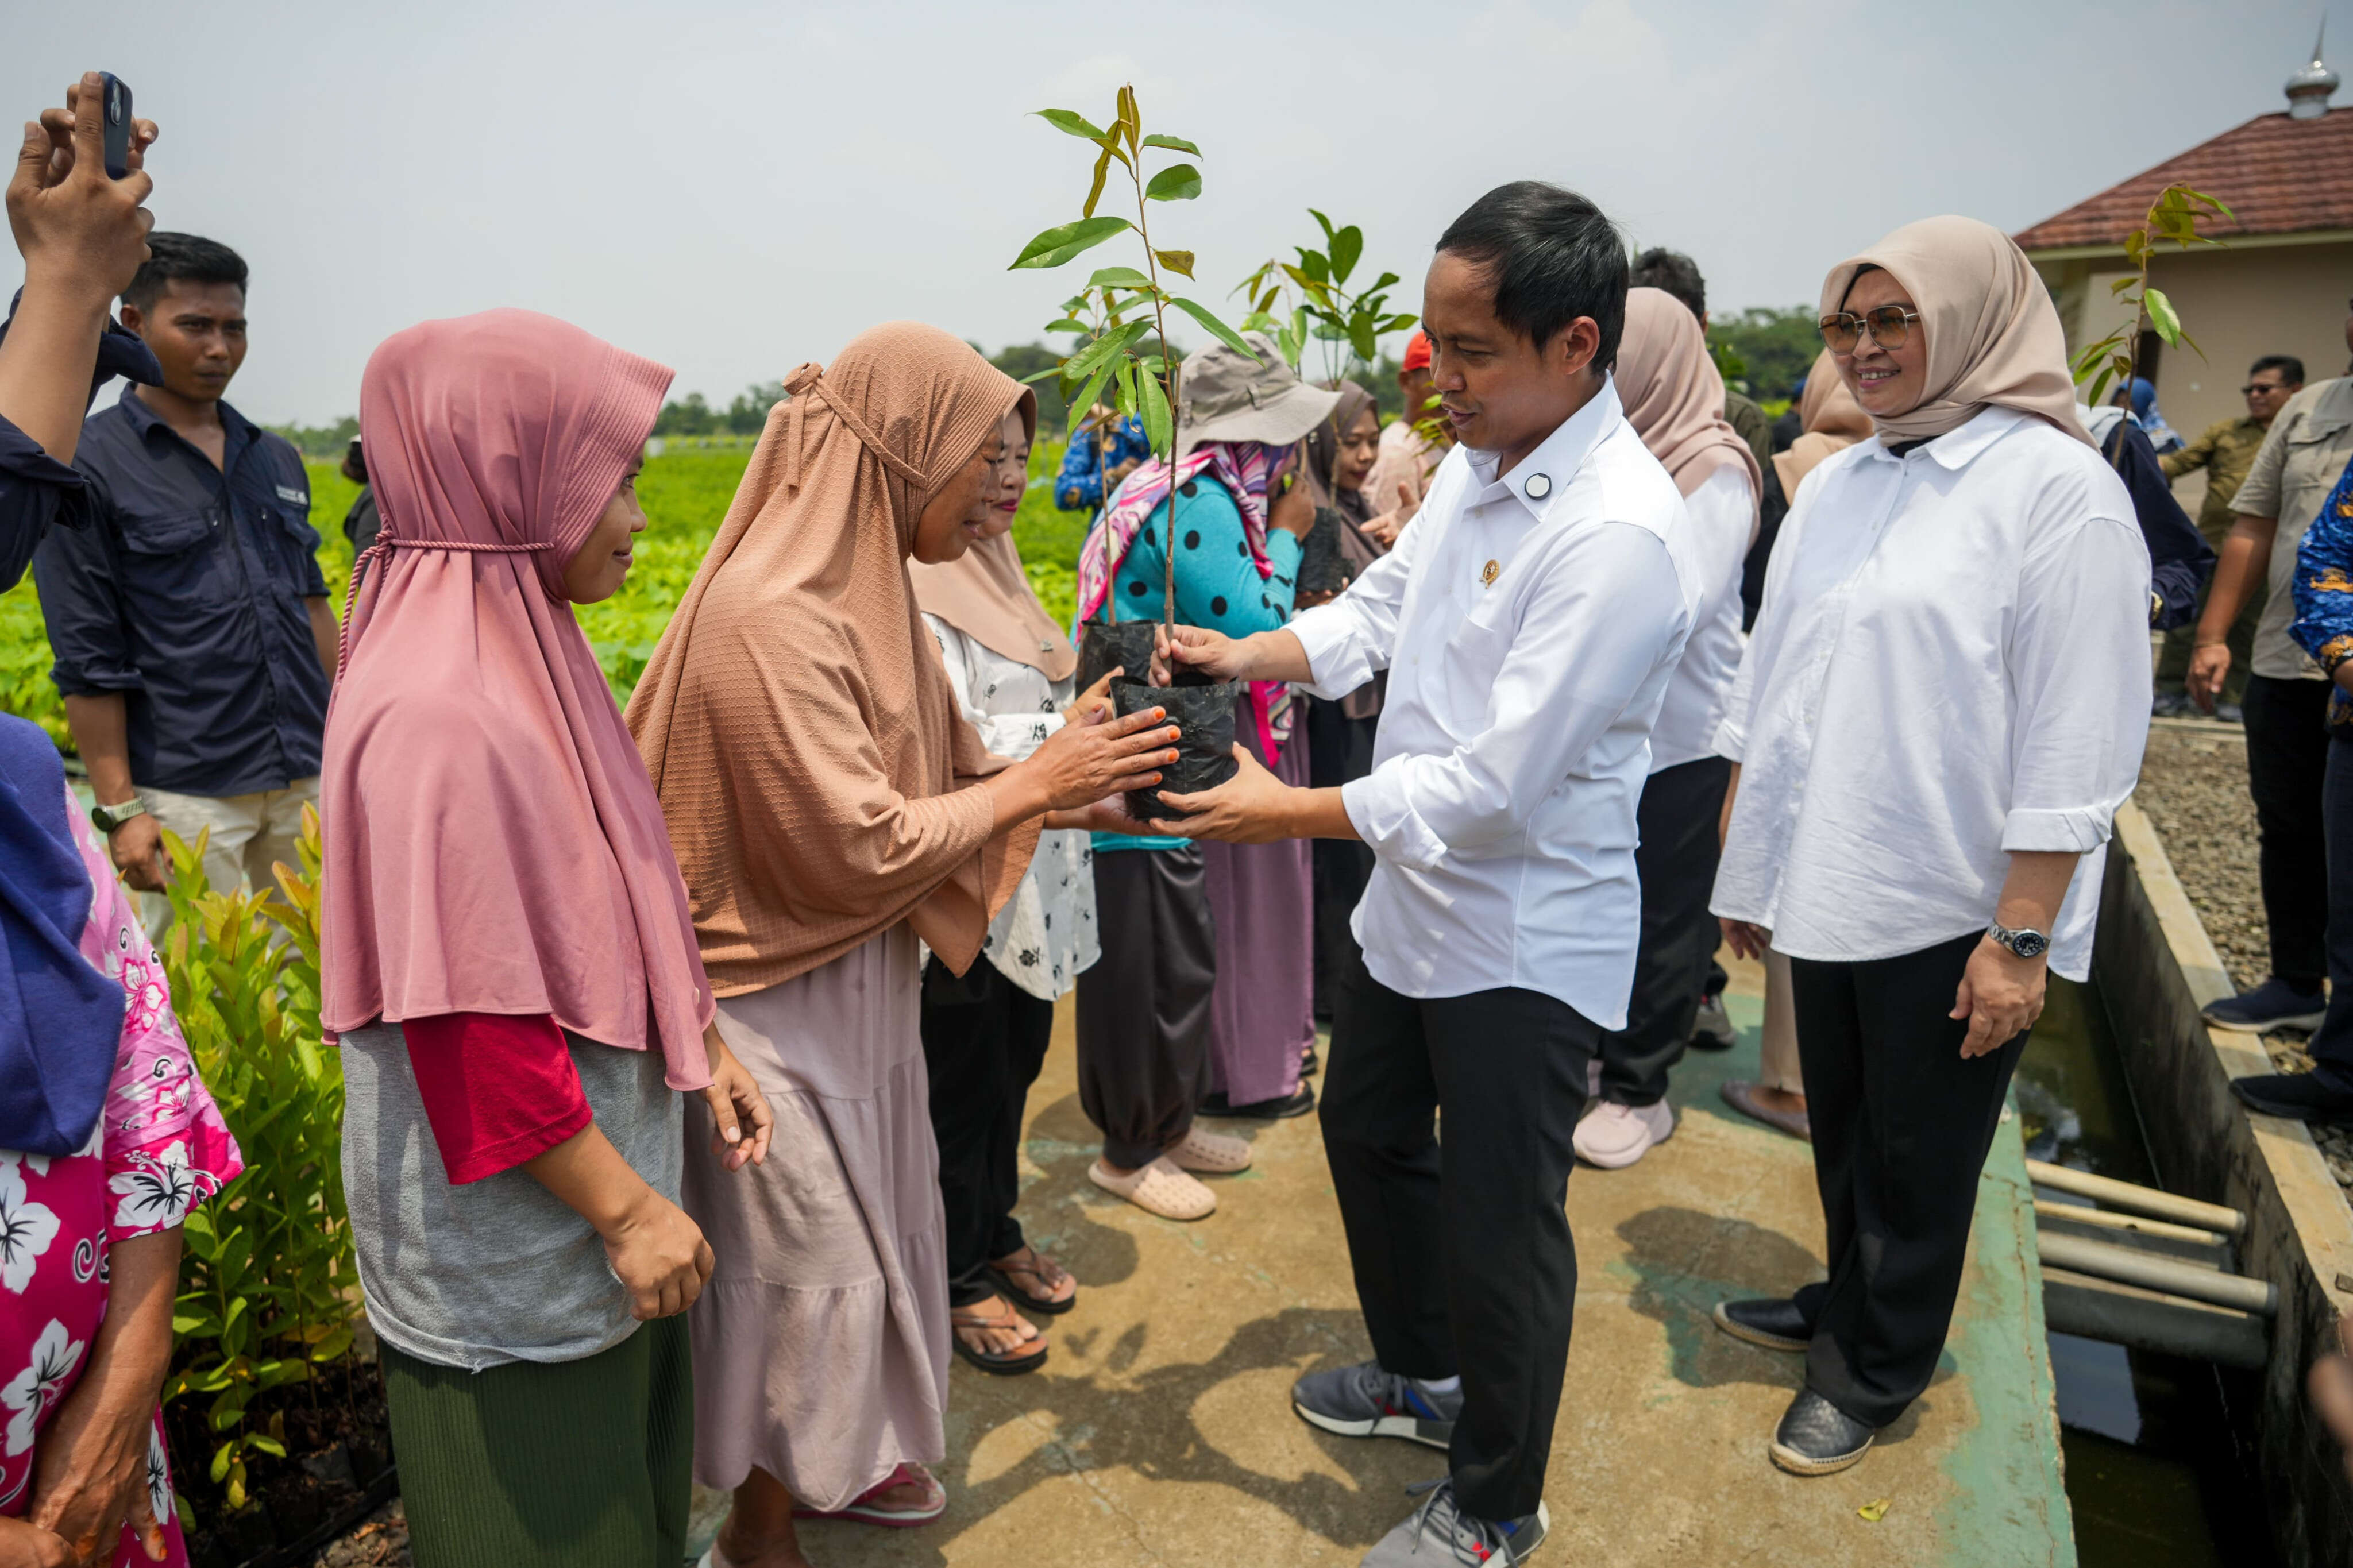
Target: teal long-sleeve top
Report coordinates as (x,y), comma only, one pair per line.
(1217,585)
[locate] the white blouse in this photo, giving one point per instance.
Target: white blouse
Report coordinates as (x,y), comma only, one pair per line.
(1951,664)
(1722,517)
(1046,932)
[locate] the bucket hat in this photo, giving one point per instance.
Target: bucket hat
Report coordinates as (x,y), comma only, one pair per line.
(1222,396)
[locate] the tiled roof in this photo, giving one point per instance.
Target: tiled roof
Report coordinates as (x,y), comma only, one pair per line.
(2279,175)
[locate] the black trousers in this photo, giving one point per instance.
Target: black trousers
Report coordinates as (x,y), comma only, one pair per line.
(1901,1125)
(2331,1043)
(1144,1005)
(1676,861)
(1340,751)
(2287,753)
(984,1042)
(1463,1260)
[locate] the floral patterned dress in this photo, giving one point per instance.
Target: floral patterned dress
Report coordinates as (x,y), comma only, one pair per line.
(160,1148)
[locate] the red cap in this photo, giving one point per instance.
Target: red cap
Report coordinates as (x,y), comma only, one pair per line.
(1417,351)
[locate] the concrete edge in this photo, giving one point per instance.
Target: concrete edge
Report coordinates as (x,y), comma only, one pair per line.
(2157,968)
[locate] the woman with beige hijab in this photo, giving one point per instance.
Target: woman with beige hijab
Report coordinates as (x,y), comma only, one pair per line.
(1940,710)
(831,813)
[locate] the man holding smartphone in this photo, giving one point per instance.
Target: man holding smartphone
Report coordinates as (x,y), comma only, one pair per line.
(190,621)
(1529,621)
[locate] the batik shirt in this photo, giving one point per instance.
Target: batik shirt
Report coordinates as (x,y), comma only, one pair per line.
(2324,593)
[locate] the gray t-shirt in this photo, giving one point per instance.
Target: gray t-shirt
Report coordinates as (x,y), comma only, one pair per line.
(500,1270)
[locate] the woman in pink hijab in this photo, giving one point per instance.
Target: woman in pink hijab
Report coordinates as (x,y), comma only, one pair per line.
(509,961)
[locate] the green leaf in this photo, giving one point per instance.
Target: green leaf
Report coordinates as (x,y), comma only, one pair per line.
(1102,172)
(201,1324)
(1346,246)
(1385,279)
(1176,183)
(1396,323)
(1175,143)
(1066,325)
(1158,426)
(221,1456)
(1314,267)
(1062,119)
(1181,262)
(268,1445)
(1104,349)
(1058,245)
(2163,317)
(1224,333)
(1087,397)
(1360,338)
(1119,277)
(1325,222)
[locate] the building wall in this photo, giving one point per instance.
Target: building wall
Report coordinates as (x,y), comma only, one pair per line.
(2238,304)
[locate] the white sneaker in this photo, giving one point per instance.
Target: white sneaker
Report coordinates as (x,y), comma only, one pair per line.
(1614,1136)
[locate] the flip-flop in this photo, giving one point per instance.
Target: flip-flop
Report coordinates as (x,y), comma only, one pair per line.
(1002,1364)
(859,1512)
(1003,1279)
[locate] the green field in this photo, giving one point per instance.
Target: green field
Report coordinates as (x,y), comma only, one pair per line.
(686,494)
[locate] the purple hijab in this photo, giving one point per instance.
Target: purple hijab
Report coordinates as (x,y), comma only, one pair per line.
(60,1019)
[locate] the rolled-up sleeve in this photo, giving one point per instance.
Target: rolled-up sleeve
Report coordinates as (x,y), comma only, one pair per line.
(1577,657)
(2258,494)
(2079,666)
(1354,636)
(82,603)
(32,486)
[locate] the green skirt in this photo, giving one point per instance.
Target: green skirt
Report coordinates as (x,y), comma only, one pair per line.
(580,1464)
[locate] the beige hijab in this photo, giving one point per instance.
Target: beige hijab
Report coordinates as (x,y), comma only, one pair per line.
(1674,398)
(1832,421)
(985,594)
(795,718)
(1993,336)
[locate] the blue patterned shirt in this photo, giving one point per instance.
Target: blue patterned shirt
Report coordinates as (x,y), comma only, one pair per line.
(2323,626)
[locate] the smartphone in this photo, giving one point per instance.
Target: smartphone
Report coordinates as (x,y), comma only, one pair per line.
(115,98)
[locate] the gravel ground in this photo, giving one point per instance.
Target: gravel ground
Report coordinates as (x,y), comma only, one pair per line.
(2193,784)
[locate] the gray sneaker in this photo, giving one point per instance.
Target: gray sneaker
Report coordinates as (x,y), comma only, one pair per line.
(1711,1030)
(1363,1401)
(1454,1536)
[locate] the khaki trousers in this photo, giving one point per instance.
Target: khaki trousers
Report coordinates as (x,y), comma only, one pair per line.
(250,833)
(1779,1050)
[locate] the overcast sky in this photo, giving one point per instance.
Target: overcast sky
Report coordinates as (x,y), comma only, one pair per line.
(735,188)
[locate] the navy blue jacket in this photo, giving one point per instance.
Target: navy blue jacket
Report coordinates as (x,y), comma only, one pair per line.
(2179,559)
(184,591)
(36,489)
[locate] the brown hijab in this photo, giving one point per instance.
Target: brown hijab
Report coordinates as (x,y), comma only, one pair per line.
(1357,548)
(795,718)
(1993,335)
(1674,398)
(1831,419)
(984,594)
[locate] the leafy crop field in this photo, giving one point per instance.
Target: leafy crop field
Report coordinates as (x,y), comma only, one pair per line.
(686,493)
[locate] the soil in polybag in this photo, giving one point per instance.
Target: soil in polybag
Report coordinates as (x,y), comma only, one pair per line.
(1105,645)
(1203,712)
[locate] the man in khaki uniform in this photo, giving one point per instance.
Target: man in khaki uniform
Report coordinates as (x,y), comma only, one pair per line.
(2226,451)
(2301,458)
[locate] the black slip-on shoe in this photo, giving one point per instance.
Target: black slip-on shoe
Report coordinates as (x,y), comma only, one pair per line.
(2273,1005)
(1299,1104)
(1777,1325)
(2298,1096)
(1817,1439)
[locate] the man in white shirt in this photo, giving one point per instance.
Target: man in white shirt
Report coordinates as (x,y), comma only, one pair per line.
(1529,621)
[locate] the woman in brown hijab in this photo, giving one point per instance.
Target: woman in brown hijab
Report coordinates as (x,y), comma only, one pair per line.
(1341,453)
(832,812)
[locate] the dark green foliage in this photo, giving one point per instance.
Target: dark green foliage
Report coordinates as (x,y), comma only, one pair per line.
(1769,346)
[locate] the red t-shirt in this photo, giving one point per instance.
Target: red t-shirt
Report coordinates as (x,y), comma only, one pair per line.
(499,1090)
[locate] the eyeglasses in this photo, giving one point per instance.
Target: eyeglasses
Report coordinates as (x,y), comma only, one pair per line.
(1889,326)
(2254,386)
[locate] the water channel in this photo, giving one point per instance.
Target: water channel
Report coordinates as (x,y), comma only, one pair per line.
(2159,1472)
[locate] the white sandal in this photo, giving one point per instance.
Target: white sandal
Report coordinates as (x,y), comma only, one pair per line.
(1159,1188)
(1213,1153)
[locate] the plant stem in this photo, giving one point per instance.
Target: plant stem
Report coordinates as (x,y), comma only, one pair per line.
(1168,386)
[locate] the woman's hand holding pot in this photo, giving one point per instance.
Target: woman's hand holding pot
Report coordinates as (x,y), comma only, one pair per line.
(1093,697)
(1098,756)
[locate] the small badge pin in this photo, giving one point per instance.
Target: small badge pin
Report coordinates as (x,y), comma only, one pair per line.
(1488,574)
(1538,486)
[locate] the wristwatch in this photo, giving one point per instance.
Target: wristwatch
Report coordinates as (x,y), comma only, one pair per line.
(2024,943)
(110,817)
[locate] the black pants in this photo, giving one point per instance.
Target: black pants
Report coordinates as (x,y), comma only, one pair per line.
(2287,753)
(983,1041)
(1463,1260)
(1901,1125)
(1144,1005)
(2331,1043)
(1340,751)
(1676,861)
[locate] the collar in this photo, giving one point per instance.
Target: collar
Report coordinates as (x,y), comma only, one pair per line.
(1557,460)
(1957,449)
(235,429)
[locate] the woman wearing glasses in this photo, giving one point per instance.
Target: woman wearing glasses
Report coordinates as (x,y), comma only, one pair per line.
(1942,705)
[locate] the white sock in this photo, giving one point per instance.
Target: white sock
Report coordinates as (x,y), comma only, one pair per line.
(1437,1384)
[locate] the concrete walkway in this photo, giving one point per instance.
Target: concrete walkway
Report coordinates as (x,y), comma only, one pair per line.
(1161,1431)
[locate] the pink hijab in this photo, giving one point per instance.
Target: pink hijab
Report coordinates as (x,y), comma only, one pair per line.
(492,844)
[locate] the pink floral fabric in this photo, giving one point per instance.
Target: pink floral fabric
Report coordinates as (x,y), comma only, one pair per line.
(159,1149)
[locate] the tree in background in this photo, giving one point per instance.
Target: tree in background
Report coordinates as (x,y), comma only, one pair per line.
(1770,347)
(320,440)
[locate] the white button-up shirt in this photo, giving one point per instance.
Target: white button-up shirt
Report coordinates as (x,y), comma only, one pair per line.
(1951,664)
(1723,519)
(1529,638)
